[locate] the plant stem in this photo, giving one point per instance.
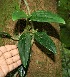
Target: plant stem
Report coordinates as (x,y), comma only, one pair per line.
(19,3)
(15,39)
(27,6)
(28,20)
(28,12)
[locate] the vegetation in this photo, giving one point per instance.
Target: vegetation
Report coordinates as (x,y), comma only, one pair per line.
(31,35)
(64,11)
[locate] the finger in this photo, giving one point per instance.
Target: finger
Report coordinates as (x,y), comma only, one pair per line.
(3,49)
(13,59)
(3,65)
(7,48)
(10,47)
(14,65)
(10,54)
(14,52)
(19,62)
(11,67)
(1,73)
(7,55)
(16,58)
(0,52)
(9,61)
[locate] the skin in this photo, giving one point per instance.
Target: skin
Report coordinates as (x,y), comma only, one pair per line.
(9,59)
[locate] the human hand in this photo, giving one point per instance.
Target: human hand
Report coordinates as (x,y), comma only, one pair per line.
(9,59)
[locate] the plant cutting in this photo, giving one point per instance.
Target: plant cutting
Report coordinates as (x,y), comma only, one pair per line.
(31,35)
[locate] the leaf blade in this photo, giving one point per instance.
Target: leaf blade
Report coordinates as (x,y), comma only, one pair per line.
(46,41)
(24,45)
(46,16)
(18,14)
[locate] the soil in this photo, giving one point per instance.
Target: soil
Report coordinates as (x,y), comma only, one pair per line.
(42,64)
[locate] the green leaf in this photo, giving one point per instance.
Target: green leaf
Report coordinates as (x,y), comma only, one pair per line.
(46,41)
(24,45)
(18,14)
(5,35)
(65,36)
(21,71)
(46,16)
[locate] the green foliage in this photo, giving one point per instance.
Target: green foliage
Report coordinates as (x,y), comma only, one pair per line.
(24,45)
(21,71)
(46,41)
(63,10)
(65,37)
(18,14)
(29,35)
(39,16)
(46,16)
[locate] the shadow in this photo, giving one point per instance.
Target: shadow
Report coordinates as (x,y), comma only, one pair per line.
(19,26)
(12,73)
(20,71)
(51,31)
(67,48)
(46,51)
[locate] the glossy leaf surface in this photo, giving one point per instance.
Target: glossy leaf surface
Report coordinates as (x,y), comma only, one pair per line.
(21,71)
(5,35)
(18,14)
(46,41)
(46,16)
(24,45)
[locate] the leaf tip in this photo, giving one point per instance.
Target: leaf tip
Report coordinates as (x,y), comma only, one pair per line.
(64,22)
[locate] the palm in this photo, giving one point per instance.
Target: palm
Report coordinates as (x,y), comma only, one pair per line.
(9,59)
